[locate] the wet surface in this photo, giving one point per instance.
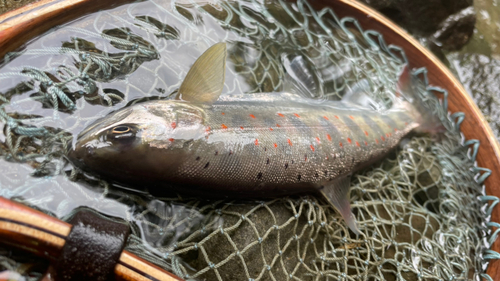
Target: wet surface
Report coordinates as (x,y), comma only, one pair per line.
(477,65)
(409,206)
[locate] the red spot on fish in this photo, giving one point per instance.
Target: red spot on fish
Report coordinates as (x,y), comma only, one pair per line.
(289,142)
(351,117)
(376,140)
(395,130)
(253,116)
(241,128)
(406,123)
(329,138)
(224,126)
(278,125)
(271,129)
(223,113)
(207,131)
(390,134)
(174,125)
(326,118)
(382,138)
(312,147)
(281,115)
(317,139)
(340,143)
(366,133)
(349,140)
(296,115)
(357,144)
(171,139)
(256,142)
(387,134)
(275,145)
(366,143)
(337,117)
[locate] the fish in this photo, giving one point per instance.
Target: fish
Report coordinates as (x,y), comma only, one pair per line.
(247,145)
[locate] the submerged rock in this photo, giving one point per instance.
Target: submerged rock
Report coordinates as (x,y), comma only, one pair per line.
(455,31)
(448,24)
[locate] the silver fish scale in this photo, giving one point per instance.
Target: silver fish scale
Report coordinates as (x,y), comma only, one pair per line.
(403,205)
(251,147)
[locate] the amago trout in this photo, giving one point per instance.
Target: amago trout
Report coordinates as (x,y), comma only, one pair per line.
(260,145)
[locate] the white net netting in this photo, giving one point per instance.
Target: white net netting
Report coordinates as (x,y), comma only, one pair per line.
(421,210)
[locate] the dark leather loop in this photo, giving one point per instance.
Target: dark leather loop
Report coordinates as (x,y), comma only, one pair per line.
(92,248)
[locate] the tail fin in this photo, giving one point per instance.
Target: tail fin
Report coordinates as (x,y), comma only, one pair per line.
(426,115)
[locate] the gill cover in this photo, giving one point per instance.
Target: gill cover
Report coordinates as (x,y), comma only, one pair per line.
(205,80)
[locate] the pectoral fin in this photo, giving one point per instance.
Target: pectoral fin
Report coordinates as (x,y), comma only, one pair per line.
(337,193)
(205,80)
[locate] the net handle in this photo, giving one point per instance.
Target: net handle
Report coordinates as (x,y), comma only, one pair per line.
(45,236)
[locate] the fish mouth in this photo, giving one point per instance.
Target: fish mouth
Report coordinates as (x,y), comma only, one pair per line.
(75,157)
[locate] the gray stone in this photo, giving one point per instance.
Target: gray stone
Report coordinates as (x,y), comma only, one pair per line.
(455,31)
(448,23)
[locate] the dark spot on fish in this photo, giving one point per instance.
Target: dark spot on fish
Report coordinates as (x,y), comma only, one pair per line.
(265,148)
(286,165)
(293,161)
(216,152)
(321,187)
(353,160)
(298,177)
(198,158)
(316,175)
(230,152)
(259,176)
(326,173)
(206,165)
(267,161)
(334,156)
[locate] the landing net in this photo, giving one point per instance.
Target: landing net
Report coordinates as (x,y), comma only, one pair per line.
(422,210)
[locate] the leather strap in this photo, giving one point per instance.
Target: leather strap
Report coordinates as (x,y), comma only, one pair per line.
(92,248)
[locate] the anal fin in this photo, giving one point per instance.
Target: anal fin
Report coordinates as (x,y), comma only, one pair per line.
(337,193)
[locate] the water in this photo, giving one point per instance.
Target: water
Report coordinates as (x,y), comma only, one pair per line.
(477,64)
(409,206)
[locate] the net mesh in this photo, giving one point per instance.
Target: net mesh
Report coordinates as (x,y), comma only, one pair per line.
(421,210)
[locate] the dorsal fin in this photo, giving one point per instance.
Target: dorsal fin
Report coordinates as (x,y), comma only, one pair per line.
(205,80)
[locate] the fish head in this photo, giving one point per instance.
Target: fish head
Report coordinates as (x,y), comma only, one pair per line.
(138,140)
(151,140)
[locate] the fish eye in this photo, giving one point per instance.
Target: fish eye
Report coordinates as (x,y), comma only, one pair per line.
(122,129)
(122,133)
